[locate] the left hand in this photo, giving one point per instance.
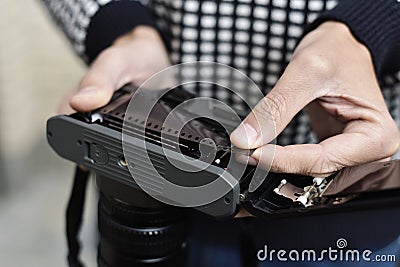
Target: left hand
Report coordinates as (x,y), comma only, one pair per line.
(333,75)
(132,58)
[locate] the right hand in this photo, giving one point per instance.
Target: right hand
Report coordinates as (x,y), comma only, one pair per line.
(132,58)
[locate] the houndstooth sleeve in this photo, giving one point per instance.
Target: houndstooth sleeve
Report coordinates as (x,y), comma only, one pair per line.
(376,24)
(92,25)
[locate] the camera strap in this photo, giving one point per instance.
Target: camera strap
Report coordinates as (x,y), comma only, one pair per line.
(74,214)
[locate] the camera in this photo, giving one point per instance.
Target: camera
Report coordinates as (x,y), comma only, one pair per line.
(153,168)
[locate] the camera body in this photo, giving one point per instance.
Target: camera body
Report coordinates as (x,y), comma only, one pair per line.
(95,141)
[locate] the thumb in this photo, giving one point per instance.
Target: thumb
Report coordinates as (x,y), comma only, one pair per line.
(271,115)
(106,74)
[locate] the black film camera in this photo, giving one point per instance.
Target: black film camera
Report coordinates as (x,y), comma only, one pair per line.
(137,229)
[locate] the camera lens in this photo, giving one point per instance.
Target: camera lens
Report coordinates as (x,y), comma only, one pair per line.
(134,236)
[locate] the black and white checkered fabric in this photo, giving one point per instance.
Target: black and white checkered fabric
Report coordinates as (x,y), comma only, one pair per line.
(256,37)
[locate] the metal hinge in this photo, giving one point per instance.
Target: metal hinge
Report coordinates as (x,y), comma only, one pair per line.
(307,196)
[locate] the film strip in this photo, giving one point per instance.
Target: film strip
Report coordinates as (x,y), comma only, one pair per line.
(199,138)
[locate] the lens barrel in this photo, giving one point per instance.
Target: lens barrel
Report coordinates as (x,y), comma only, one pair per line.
(136,236)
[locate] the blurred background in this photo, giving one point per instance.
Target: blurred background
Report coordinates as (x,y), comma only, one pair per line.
(37,68)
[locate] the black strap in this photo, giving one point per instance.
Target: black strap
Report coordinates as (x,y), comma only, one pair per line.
(74,216)
(247,247)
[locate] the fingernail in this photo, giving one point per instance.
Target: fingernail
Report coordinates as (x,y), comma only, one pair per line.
(87,91)
(252,161)
(244,136)
(246,160)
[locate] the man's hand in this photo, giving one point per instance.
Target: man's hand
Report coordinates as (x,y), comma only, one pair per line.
(132,58)
(333,75)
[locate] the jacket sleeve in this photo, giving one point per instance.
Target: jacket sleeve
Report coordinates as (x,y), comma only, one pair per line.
(93,25)
(376,24)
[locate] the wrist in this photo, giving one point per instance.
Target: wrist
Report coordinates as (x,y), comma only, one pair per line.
(330,40)
(335,27)
(339,31)
(140,32)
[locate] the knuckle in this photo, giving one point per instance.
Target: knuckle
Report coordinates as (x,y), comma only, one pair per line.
(322,167)
(282,166)
(323,164)
(327,166)
(281,162)
(389,138)
(316,63)
(272,106)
